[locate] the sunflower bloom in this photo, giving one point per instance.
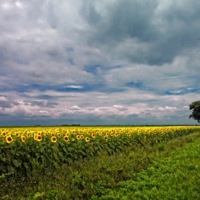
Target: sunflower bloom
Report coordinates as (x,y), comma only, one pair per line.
(17,134)
(4,134)
(53,139)
(93,135)
(73,140)
(105,137)
(78,137)
(82,137)
(66,138)
(39,138)
(87,139)
(23,138)
(9,139)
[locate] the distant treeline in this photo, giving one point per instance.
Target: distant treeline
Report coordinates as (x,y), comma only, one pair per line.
(106,125)
(64,125)
(70,125)
(149,125)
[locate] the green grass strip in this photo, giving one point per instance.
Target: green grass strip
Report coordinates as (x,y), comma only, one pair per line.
(174,177)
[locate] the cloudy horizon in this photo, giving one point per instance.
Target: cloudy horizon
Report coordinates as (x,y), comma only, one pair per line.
(99,62)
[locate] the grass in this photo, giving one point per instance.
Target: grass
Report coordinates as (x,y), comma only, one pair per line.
(174,177)
(169,170)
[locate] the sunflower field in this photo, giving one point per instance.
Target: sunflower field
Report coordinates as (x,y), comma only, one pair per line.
(49,147)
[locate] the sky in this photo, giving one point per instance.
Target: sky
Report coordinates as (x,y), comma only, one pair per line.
(99,62)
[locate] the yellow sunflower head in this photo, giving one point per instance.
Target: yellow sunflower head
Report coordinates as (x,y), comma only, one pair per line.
(39,138)
(23,138)
(78,137)
(105,137)
(66,138)
(53,139)
(9,139)
(87,139)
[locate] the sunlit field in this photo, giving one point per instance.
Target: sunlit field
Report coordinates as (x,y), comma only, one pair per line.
(47,148)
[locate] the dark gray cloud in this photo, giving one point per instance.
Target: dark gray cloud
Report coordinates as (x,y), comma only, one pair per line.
(8,103)
(42,104)
(4,104)
(160,33)
(123,20)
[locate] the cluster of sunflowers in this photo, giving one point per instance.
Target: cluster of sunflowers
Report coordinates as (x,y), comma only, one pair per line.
(71,134)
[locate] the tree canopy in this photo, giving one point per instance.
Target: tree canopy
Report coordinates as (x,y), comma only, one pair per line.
(195,106)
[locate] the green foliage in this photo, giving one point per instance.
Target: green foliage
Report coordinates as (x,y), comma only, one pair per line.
(101,176)
(3,176)
(51,195)
(195,106)
(160,147)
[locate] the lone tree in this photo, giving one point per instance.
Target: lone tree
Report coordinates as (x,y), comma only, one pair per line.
(196,111)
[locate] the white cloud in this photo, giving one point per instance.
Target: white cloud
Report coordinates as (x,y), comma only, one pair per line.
(117,106)
(167,108)
(6,6)
(176,91)
(19,4)
(74,108)
(2,98)
(74,86)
